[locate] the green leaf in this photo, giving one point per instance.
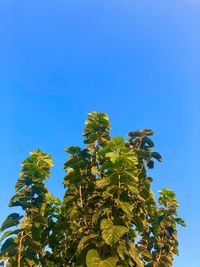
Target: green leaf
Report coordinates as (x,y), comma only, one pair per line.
(133,189)
(157,156)
(139,223)
(32,243)
(37,218)
(168,198)
(180,221)
(126,207)
(9,233)
(37,166)
(22,181)
(101,182)
(112,233)
(148,141)
(41,157)
(31,262)
(73,150)
(9,245)
(97,128)
(135,256)
(141,133)
(150,164)
(121,249)
(84,240)
(146,132)
(12,220)
(93,260)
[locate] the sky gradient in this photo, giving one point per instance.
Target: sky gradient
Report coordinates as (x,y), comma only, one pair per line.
(138,61)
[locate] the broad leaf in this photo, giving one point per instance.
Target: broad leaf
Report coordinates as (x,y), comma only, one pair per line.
(93,260)
(112,233)
(12,220)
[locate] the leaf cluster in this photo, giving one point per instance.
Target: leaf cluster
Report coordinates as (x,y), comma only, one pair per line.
(108,217)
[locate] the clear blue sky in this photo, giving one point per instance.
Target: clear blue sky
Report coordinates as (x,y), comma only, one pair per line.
(137,60)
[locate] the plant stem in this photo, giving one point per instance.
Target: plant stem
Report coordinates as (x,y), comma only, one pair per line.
(81,200)
(119,186)
(159,255)
(81,197)
(19,251)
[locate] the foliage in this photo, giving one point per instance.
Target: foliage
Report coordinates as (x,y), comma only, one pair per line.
(108,217)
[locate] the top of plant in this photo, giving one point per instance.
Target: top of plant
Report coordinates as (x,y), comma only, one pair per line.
(109,216)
